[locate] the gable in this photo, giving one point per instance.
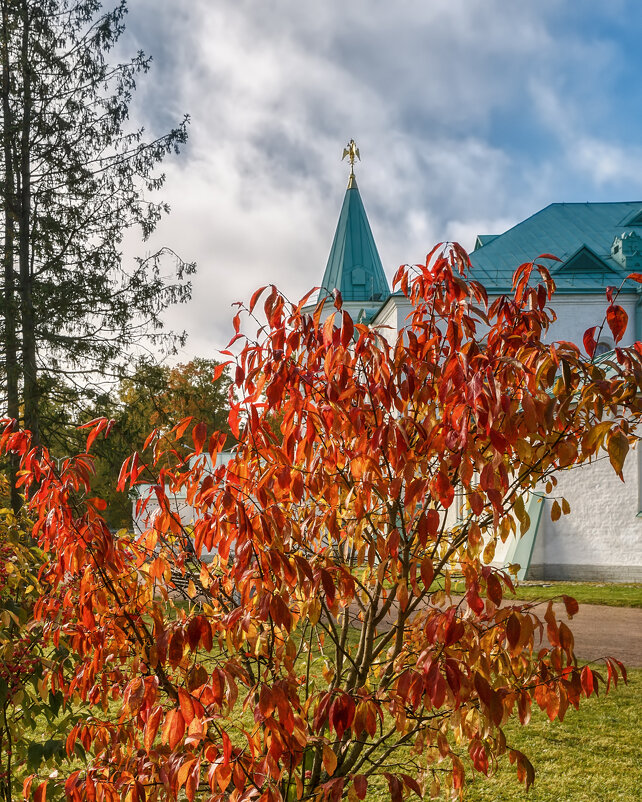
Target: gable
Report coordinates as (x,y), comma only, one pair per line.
(585,270)
(634,219)
(585,260)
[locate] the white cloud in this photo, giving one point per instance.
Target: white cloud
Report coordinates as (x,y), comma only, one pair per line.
(440,97)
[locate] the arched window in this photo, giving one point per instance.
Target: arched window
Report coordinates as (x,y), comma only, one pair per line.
(603,347)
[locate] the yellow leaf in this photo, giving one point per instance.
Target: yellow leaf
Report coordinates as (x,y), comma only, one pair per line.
(314,611)
(522,515)
(402,596)
(489,551)
(205,578)
(329,760)
(556,511)
(618,447)
(566,507)
(191,589)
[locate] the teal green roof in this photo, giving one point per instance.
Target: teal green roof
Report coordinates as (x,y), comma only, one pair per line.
(354,266)
(598,243)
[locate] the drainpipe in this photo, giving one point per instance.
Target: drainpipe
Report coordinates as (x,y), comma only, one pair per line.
(638,316)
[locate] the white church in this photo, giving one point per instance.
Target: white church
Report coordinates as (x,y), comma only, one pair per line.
(598,245)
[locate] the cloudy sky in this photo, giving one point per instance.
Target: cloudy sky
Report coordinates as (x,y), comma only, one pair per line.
(470,115)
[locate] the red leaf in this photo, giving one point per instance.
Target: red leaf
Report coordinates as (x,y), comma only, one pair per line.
(227,747)
(635,277)
(176,644)
(427,572)
(341,714)
(395,787)
(513,630)
(151,728)
(590,343)
(587,681)
(617,319)
(571,605)
(474,601)
(255,297)
(361,785)
(199,435)
(494,589)
(411,783)
(328,585)
(442,488)
(347,330)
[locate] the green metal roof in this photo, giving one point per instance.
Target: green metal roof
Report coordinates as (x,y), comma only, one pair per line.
(354,266)
(582,235)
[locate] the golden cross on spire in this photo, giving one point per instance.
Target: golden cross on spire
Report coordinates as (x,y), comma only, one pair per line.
(351,151)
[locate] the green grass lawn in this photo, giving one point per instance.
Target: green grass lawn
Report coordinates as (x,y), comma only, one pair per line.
(592,756)
(610,594)
(614,595)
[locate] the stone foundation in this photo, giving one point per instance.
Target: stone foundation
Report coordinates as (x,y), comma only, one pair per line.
(586,573)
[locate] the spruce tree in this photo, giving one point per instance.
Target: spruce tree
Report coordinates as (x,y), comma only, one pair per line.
(74,177)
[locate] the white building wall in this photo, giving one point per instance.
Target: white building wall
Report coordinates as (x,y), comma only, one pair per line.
(577,313)
(602,536)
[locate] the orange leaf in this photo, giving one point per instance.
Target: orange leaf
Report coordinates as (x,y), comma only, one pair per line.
(181,427)
(347,330)
(219,370)
(40,794)
(174,728)
(328,330)
(26,785)
(329,760)
(187,706)
(618,448)
(151,728)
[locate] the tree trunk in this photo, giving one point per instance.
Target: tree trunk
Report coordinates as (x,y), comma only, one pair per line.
(29,364)
(10,344)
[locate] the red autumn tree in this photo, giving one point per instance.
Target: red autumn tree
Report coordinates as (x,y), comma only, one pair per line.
(372,471)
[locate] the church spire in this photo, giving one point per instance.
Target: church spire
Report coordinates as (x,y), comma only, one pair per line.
(354,266)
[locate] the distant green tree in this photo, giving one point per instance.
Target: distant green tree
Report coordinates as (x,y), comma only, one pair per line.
(154,397)
(74,177)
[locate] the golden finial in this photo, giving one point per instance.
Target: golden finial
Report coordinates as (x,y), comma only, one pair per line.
(351,151)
